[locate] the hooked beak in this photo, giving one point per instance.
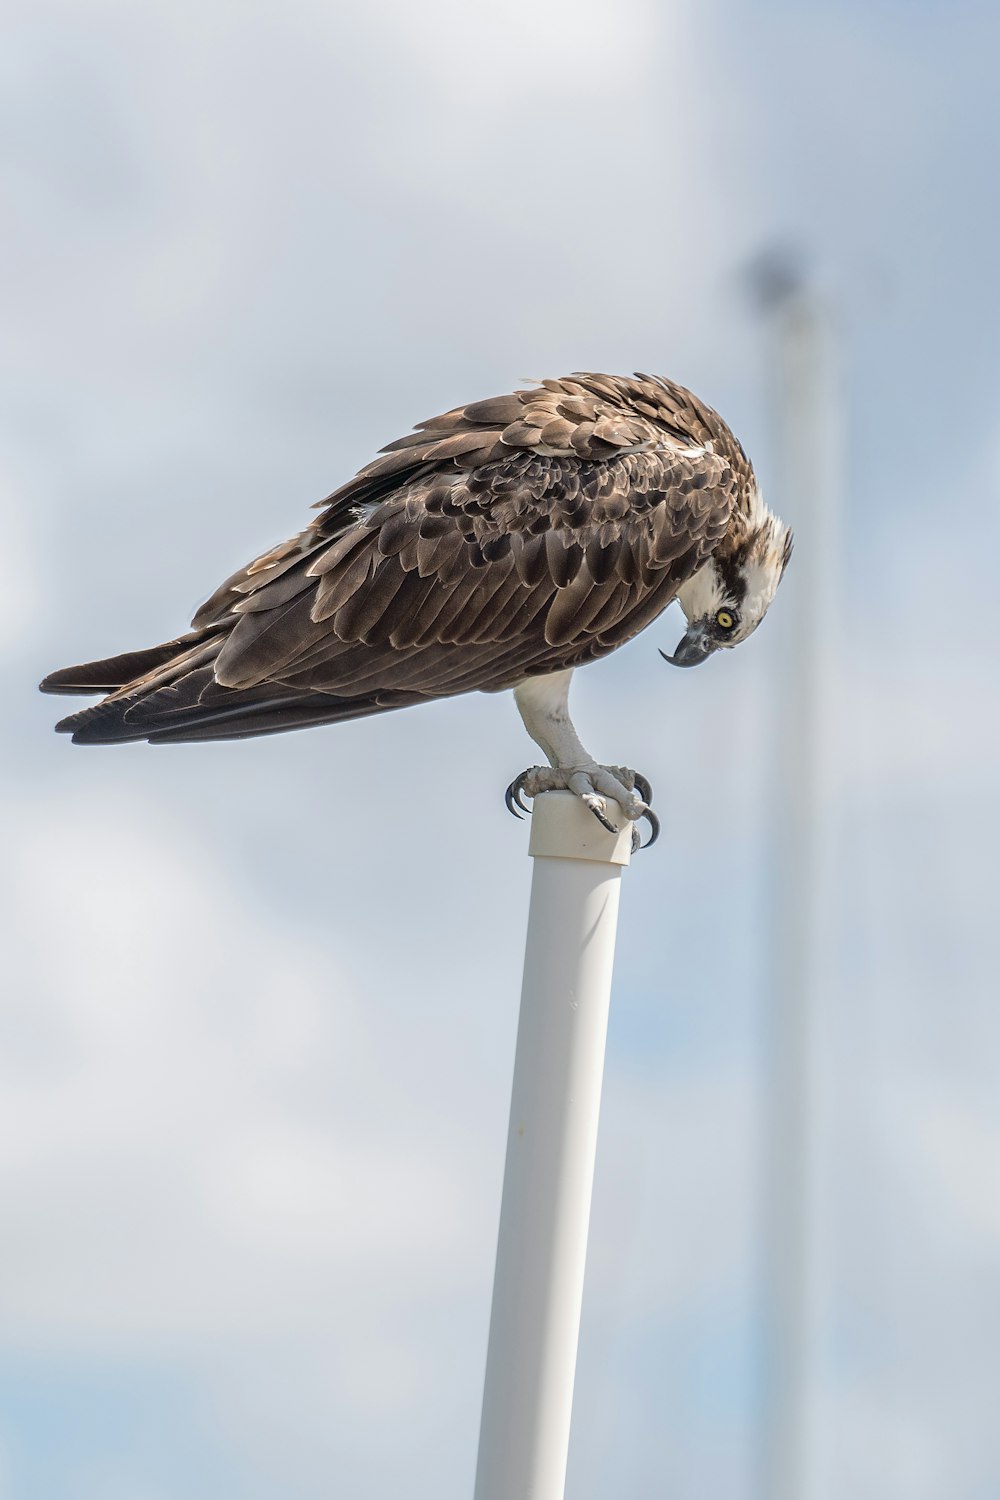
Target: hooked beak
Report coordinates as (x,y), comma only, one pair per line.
(694,646)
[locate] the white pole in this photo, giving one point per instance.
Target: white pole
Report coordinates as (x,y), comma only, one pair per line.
(809,462)
(551,1145)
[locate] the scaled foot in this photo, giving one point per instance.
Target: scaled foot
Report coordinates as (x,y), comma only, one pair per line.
(595,786)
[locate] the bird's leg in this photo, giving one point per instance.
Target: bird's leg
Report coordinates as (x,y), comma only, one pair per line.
(543,703)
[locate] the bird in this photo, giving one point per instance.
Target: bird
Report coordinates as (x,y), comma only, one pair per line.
(501,545)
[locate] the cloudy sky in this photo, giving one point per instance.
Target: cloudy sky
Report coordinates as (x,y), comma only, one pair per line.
(260,999)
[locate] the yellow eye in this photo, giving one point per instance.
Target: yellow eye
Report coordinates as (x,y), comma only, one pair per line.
(725,619)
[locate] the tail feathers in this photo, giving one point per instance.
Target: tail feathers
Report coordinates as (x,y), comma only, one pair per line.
(171,716)
(179,676)
(195,707)
(117,671)
(170,693)
(111,722)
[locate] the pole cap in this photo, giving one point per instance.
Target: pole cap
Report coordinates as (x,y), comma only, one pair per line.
(562,827)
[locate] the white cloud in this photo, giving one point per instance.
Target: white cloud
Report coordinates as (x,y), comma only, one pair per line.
(184,1112)
(21,595)
(948,1148)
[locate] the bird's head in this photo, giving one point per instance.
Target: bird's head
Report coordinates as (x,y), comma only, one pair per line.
(726,599)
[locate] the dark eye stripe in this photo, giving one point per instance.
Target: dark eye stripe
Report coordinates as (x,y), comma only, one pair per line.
(732,577)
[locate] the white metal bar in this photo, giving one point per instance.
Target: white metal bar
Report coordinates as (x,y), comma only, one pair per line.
(551,1146)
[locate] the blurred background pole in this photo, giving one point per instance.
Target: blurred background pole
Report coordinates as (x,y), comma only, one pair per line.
(551,1146)
(807,468)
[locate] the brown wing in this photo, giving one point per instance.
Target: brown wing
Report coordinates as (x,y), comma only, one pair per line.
(504,539)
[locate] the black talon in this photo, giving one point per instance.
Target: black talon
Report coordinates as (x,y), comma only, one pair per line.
(605,822)
(643,787)
(508,797)
(654,828)
(513,795)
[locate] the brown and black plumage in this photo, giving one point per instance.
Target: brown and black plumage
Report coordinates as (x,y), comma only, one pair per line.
(505,540)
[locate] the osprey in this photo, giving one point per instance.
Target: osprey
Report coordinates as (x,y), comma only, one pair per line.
(500,545)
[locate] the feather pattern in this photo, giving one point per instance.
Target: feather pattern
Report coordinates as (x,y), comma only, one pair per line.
(514,536)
